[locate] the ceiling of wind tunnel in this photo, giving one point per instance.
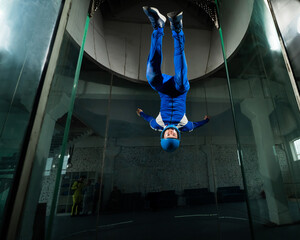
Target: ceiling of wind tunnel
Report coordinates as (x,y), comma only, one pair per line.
(131,11)
(119,35)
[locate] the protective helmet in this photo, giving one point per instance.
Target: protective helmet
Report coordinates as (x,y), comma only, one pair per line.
(170,144)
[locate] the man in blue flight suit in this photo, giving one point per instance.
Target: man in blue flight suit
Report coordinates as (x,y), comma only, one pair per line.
(172,90)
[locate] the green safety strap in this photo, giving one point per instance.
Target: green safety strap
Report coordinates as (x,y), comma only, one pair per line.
(66,132)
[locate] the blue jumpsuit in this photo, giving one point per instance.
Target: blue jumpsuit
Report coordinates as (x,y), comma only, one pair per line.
(171,89)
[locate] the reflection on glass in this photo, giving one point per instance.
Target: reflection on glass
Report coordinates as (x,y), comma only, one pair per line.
(39,196)
(286,14)
(22,59)
(267,122)
(5,30)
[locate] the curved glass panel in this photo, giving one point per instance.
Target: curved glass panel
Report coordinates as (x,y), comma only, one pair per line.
(267,118)
(287,16)
(24,44)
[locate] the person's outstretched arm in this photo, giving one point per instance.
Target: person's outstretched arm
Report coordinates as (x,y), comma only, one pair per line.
(190,126)
(152,122)
(201,123)
(140,113)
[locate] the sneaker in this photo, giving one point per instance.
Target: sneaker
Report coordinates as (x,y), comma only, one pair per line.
(175,19)
(156,18)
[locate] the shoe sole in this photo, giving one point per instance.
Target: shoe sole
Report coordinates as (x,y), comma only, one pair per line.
(174,14)
(157,12)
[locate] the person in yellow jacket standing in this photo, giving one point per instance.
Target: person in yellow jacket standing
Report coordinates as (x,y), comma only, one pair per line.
(77,187)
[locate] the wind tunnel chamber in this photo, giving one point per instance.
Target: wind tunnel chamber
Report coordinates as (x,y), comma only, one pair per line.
(233,178)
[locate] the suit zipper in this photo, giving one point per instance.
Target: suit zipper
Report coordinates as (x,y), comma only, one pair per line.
(171,112)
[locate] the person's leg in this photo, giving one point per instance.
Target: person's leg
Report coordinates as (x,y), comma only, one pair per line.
(73,206)
(76,209)
(84,205)
(153,72)
(80,206)
(180,78)
(181,81)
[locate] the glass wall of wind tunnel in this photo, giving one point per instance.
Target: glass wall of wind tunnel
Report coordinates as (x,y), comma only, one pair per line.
(48,204)
(287,16)
(267,119)
(24,45)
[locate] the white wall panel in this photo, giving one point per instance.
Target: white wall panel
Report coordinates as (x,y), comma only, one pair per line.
(215,58)
(115,43)
(145,47)
(235,21)
(101,51)
(132,50)
(197,45)
(89,46)
(77,19)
